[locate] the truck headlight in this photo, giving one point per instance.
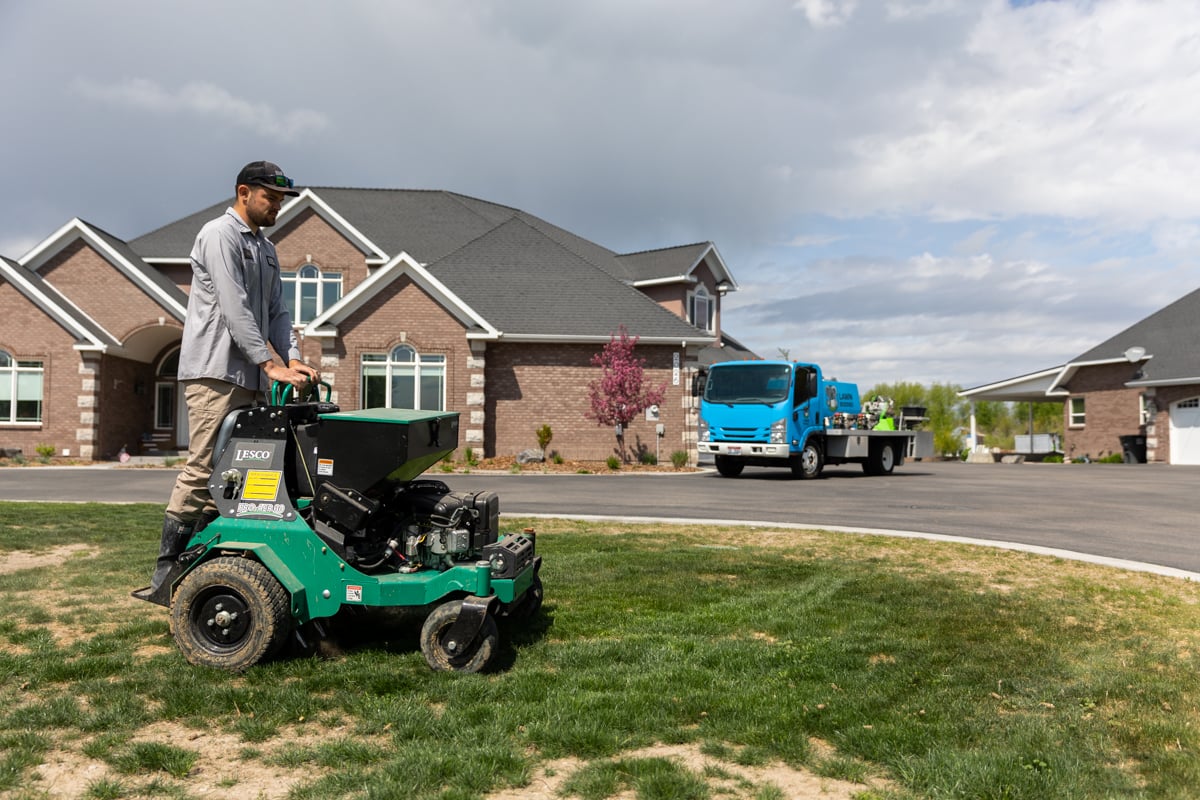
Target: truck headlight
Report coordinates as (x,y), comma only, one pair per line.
(779,431)
(703,429)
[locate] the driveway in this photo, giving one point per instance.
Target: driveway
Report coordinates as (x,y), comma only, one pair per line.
(1141,513)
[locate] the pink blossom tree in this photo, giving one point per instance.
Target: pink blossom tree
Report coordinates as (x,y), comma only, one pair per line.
(621,394)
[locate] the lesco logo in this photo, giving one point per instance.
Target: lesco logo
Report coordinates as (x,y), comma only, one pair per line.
(250,453)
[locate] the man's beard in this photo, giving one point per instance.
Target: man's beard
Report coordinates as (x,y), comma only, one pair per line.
(263,219)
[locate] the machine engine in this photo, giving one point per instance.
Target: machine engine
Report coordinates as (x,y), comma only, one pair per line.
(420,525)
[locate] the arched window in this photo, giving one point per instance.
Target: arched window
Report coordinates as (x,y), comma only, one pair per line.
(702,309)
(20,390)
(308,292)
(404,378)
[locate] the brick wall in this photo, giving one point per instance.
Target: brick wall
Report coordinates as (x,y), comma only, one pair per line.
(530,385)
(1158,431)
(101,290)
(1112,411)
(29,334)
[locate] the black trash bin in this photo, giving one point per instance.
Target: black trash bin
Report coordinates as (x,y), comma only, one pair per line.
(1134,449)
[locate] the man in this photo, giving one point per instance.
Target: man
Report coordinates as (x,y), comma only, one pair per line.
(235,315)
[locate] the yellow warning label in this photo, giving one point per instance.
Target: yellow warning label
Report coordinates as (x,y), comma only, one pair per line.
(261,485)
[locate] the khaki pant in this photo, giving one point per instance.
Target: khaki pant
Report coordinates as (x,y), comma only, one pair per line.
(209,401)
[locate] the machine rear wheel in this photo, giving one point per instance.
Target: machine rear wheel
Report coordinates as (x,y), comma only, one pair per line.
(444,655)
(729,467)
(230,613)
(530,603)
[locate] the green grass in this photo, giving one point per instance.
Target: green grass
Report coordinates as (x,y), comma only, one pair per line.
(948,671)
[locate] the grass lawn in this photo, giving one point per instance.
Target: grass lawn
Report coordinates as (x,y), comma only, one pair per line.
(667,662)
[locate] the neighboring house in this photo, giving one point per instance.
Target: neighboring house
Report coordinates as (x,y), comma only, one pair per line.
(409,299)
(1144,383)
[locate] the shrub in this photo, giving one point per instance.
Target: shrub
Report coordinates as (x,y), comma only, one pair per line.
(679,459)
(469,457)
(613,462)
(45,451)
(544,435)
(557,458)
(648,458)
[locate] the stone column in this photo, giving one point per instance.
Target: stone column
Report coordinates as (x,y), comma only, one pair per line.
(476,395)
(88,403)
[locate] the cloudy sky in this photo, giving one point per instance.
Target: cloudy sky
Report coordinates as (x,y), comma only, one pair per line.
(954,191)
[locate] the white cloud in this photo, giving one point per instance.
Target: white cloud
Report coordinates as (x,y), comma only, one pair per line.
(1071,108)
(827,13)
(207,101)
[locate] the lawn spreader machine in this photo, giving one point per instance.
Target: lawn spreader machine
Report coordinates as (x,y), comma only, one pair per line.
(324,511)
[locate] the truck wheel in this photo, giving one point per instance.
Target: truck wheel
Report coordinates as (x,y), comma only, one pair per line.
(881,461)
(809,463)
(442,655)
(230,613)
(729,467)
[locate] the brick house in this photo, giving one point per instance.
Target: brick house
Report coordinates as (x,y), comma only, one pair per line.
(406,298)
(1143,382)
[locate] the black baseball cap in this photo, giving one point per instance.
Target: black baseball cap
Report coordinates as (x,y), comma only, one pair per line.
(264,173)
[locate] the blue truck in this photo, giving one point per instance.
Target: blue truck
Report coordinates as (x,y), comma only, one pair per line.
(787,414)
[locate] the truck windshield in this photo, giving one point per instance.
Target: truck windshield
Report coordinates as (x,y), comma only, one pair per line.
(748,383)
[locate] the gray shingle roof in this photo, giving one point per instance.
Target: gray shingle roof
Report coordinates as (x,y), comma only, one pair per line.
(522,281)
(521,273)
(1169,335)
(669,262)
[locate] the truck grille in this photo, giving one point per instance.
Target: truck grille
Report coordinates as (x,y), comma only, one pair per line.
(727,434)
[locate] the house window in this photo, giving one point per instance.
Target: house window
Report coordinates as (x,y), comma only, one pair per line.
(1077,412)
(404,379)
(308,292)
(20,390)
(702,309)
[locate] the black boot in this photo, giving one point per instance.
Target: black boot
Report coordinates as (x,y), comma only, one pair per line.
(175,536)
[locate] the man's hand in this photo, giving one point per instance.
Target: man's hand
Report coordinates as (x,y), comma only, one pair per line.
(300,366)
(300,378)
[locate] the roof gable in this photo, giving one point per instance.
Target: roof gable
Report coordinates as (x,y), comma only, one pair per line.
(675,265)
(88,333)
(116,252)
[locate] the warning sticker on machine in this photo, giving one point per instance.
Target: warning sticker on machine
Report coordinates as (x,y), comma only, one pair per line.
(324,466)
(353,594)
(261,485)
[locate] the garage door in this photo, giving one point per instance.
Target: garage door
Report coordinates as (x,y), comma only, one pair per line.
(1185,432)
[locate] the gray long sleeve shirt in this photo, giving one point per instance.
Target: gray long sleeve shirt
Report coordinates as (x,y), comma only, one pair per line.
(235,307)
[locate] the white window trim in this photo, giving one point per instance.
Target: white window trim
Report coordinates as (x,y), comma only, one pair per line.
(709,324)
(9,373)
(416,365)
(294,286)
(1071,415)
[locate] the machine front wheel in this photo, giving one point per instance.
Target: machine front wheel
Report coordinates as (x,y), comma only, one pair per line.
(230,613)
(442,654)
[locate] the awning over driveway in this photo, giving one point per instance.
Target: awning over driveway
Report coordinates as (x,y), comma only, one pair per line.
(1036,387)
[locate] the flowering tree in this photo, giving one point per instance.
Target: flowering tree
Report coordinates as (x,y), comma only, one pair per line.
(621,393)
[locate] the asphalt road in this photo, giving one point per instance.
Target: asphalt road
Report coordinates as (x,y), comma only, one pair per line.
(1142,513)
